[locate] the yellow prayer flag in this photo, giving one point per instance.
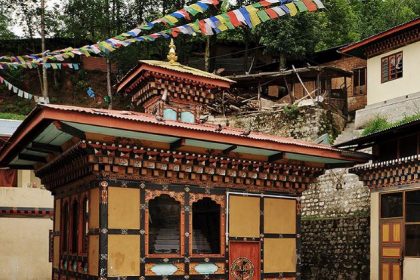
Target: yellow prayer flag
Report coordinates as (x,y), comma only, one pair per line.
(292,8)
(255,20)
(197,7)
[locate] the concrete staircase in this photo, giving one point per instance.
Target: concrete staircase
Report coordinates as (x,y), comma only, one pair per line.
(350,132)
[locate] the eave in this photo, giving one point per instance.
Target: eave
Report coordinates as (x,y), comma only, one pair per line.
(53,127)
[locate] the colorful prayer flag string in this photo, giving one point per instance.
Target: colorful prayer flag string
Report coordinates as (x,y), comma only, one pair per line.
(21,93)
(250,16)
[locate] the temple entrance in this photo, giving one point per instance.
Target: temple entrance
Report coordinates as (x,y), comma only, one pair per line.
(244,260)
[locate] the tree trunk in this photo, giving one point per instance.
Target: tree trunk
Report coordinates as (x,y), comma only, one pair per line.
(108,82)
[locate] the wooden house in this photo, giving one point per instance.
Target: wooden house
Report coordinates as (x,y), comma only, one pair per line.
(161,194)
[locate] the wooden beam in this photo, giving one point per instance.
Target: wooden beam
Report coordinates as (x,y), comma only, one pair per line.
(69,129)
(21,167)
(177,144)
(48,148)
(276,157)
(32,158)
(230,149)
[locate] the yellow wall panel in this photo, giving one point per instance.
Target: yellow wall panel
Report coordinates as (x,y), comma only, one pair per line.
(94,208)
(123,208)
(396,230)
(57,215)
(93,254)
(279,216)
(56,252)
(396,274)
(279,255)
(123,255)
(385,271)
(390,251)
(385,233)
(244,216)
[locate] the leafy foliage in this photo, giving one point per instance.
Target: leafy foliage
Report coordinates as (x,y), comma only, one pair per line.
(377,124)
(380,123)
(11,116)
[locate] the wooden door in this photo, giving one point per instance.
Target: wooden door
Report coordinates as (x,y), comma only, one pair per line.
(391,249)
(244,260)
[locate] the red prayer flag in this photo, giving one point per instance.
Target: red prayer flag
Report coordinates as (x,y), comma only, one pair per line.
(175,32)
(235,22)
(312,7)
(265,3)
(202,26)
(271,13)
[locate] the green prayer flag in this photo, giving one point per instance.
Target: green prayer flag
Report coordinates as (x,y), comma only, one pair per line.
(301,6)
(263,16)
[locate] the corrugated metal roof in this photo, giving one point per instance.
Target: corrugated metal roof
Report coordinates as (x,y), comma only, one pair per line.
(185,69)
(8,127)
(147,118)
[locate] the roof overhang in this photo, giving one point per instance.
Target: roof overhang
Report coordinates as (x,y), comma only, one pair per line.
(48,130)
(387,134)
(144,67)
(358,48)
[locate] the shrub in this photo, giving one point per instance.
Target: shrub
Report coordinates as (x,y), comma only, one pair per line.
(376,125)
(291,111)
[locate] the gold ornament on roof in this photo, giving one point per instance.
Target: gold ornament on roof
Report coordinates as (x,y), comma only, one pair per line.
(172,57)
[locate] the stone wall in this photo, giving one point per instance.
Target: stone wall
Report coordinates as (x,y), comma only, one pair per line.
(304,123)
(335,228)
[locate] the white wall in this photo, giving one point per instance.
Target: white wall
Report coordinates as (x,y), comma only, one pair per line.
(408,84)
(24,241)
(411,268)
(374,236)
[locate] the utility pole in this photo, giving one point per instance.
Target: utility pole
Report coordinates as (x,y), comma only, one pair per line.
(44,59)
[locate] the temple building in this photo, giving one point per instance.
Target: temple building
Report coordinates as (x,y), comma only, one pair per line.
(160,194)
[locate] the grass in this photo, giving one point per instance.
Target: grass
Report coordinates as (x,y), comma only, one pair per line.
(380,123)
(11,116)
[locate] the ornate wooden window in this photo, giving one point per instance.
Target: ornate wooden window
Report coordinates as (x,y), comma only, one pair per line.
(392,67)
(207,225)
(164,225)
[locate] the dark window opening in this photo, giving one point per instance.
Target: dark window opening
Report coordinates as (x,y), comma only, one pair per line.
(64,227)
(206,227)
(412,240)
(74,226)
(408,146)
(412,206)
(164,225)
(359,81)
(391,205)
(392,67)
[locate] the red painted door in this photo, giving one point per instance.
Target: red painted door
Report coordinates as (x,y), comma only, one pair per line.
(244,260)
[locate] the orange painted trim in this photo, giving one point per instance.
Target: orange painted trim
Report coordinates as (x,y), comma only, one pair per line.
(379,36)
(49,114)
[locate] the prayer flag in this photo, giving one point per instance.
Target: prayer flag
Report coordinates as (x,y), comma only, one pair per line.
(319,4)
(310,5)
(301,7)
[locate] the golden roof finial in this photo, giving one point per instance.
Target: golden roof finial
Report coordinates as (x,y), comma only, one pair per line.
(172,53)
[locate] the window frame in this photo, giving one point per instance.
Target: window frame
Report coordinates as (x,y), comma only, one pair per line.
(219,200)
(179,197)
(403,218)
(389,75)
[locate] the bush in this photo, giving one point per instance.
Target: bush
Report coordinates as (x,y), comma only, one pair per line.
(11,116)
(291,111)
(376,125)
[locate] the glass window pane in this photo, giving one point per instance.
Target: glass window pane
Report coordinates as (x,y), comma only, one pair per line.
(412,206)
(391,205)
(412,240)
